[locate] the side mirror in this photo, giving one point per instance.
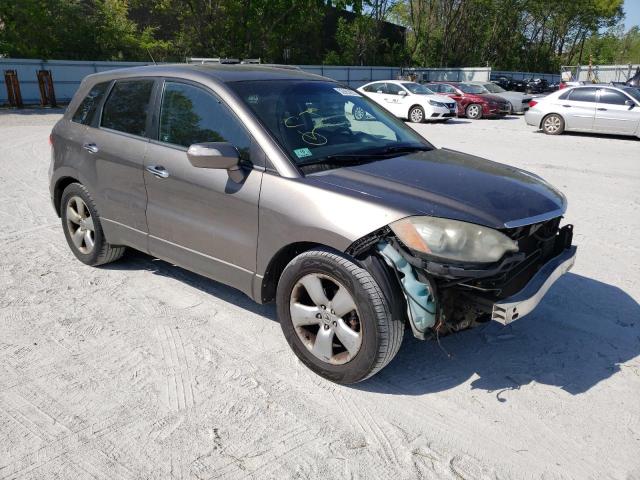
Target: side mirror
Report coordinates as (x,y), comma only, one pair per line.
(402,93)
(217,155)
(630,104)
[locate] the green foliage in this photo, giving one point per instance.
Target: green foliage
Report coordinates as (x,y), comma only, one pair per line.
(534,35)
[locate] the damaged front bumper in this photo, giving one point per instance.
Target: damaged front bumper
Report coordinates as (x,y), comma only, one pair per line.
(526,300)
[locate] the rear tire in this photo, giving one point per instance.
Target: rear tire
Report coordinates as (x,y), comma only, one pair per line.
(553,124)
(474,111)
(320,293)
(82,228)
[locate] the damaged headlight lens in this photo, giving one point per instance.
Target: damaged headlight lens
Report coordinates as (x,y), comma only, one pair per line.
(452,239)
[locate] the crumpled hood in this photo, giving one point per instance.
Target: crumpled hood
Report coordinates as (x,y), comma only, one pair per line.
(449,184)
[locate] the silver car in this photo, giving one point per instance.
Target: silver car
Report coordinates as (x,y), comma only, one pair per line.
(261,178)
(589,108)
(518,101)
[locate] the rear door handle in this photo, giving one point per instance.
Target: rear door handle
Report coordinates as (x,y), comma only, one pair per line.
(602,109)
(157,170)
(566,106)
(90,147)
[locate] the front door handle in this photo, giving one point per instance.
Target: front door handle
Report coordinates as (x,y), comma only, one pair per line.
(566,106)
(158,170)
(90,147)
(602,109)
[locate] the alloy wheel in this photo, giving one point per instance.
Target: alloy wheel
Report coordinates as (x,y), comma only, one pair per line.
(473,111)
(552,124)
(80,225)
(329,328)
(416,115)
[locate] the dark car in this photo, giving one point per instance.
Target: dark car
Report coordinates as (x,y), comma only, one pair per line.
(473,100)
(509,83)
(537,85)
(260,178)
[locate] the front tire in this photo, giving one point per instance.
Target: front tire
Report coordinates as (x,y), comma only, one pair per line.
(416,114)
(82,228)
(335,317)
(474,111)
(553,124)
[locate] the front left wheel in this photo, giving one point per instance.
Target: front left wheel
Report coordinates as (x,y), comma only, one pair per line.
(335,317)
(416,114)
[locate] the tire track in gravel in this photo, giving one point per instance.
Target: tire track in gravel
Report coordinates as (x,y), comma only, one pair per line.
(178,384)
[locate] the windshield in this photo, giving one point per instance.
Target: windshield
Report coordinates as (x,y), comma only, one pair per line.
(493,88)
(471,88)
(417,89)
(316,120)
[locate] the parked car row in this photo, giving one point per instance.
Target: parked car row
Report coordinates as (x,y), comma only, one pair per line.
(440,101)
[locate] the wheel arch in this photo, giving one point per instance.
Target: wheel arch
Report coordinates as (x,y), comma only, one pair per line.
(277,264)
(60,185)
(551,113)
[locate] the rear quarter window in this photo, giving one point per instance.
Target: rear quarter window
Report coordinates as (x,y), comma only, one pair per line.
(126,108)
(85,111)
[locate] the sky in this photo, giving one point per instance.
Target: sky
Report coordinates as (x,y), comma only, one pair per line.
(632,10)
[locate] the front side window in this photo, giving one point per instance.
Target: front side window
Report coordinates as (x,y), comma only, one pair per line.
(190,114)
(127,106)
(90,103)
(634,92)
(583,95)
(313,121)
(612,97)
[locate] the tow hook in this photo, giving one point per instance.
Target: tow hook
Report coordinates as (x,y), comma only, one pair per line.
(421,304)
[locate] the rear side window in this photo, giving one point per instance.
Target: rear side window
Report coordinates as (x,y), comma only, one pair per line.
(127,105)
(90,103)
(375,87)
(583,95)
(612,97)
(191,115)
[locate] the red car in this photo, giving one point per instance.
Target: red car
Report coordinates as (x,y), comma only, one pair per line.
(473,100)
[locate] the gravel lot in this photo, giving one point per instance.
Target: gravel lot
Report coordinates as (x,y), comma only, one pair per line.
(144,370)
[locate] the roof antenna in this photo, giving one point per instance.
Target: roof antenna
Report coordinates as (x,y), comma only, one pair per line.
(149,52)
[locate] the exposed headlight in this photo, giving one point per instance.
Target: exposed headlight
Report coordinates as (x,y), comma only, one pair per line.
(452,239)
(436,104)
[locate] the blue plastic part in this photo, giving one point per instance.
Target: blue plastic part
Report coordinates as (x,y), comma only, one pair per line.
(420,302)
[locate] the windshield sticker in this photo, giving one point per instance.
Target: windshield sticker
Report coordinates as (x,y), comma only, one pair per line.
(253,99)
(347,93)
(302,152)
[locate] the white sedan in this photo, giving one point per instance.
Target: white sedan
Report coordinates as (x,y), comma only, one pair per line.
(407,100)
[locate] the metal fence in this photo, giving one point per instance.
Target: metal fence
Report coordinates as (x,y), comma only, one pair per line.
(602,73)
(68,74)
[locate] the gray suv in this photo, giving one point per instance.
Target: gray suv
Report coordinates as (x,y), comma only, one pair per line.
(259,177)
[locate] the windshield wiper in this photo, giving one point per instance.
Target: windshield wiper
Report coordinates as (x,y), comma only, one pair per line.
(366,156)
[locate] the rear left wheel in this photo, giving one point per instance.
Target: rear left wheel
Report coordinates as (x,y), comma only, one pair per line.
(335,317)
(82,228)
